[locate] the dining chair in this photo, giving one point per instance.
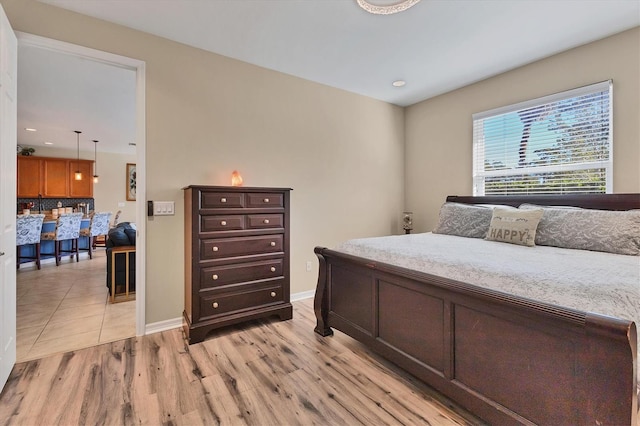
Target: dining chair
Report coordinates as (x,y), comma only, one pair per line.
(98,226)
(67,229)
(116,218)
(101,240)
(28,229)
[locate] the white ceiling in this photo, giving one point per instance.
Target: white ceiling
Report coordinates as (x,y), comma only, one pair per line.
(59,93)
(435,46)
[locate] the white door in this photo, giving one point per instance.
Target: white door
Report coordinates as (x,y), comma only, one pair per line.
(8,71)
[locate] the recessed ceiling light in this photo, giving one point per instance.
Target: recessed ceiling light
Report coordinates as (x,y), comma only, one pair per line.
(399,83)
(48,143)
(29,129)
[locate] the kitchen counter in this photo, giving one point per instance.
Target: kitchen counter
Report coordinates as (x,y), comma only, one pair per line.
(51,219)
(48,217)
(50,225)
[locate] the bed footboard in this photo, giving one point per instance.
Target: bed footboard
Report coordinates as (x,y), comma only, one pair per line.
(506,359)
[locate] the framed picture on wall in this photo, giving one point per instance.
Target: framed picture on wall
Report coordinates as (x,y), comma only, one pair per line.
(131,181)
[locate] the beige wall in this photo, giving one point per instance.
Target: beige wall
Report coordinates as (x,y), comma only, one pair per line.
(350,160)
(109,193)
(439,130)
(206,115)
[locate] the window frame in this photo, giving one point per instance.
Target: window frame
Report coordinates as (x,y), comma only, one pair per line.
(479,176)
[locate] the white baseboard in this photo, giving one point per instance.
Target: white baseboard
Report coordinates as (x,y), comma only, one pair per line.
(170,324)
(303,295)
(165,325)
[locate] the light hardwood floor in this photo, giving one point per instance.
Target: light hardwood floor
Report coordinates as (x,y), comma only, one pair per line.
(260,373)
(64,308)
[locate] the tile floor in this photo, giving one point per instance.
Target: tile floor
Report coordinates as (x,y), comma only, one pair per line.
(64,308)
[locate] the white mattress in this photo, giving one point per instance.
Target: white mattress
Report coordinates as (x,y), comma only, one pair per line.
(591,281)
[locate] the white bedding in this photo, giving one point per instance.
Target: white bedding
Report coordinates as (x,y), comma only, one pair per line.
(591,281)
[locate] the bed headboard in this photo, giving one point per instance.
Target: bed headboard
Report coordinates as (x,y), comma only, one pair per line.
(587,201)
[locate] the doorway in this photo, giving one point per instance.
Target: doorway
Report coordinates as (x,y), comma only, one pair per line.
(77,272)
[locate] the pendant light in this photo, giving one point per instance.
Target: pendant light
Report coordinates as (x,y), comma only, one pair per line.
(95,161)
(78,173)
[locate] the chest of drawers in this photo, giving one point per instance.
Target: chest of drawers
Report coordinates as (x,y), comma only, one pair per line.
(236,256)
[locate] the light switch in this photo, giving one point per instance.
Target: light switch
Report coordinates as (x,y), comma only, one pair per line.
(163,208)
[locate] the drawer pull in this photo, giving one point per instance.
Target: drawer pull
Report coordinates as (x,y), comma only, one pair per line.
(273,294)
(273,244)
(266,221)
(273,269)
(214,248)
(266,200)
(215,305)
(223,223)
(215,276)
(223,200)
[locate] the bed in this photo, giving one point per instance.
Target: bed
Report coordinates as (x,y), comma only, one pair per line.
(510,357)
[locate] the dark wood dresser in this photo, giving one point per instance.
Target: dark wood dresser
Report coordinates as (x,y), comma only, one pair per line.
(236,256)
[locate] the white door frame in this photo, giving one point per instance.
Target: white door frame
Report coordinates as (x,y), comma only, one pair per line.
(8,92)
(25,39)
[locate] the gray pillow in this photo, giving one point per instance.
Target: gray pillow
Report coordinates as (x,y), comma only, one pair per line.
(588,229)
(464,220)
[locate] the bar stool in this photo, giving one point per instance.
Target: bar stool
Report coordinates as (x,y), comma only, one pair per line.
(99,225)
(28,229)
(67,228)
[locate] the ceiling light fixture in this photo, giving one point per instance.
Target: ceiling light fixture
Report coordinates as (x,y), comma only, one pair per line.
(29,129)
(95,161)
(388,9)
(48,143)
(78,173)
(398,83)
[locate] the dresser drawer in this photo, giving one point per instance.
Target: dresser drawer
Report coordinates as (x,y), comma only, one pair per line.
(221,223)
(265,221)
(212,305)
(221,200)
(265,200)
(240,246)
(240,272)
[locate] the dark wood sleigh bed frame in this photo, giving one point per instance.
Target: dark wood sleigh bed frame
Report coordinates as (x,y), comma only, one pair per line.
(507,359)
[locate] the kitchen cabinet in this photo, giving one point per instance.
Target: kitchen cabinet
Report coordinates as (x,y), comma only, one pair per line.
(29,178)
(81,188)
(53,177)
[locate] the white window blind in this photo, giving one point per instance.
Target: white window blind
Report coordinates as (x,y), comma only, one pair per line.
(560,143)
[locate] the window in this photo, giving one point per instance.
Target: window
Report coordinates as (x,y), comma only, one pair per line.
(560,143)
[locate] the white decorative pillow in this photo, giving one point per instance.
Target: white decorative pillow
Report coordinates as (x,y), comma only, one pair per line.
(615,232)
(514,226)
(463,220)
